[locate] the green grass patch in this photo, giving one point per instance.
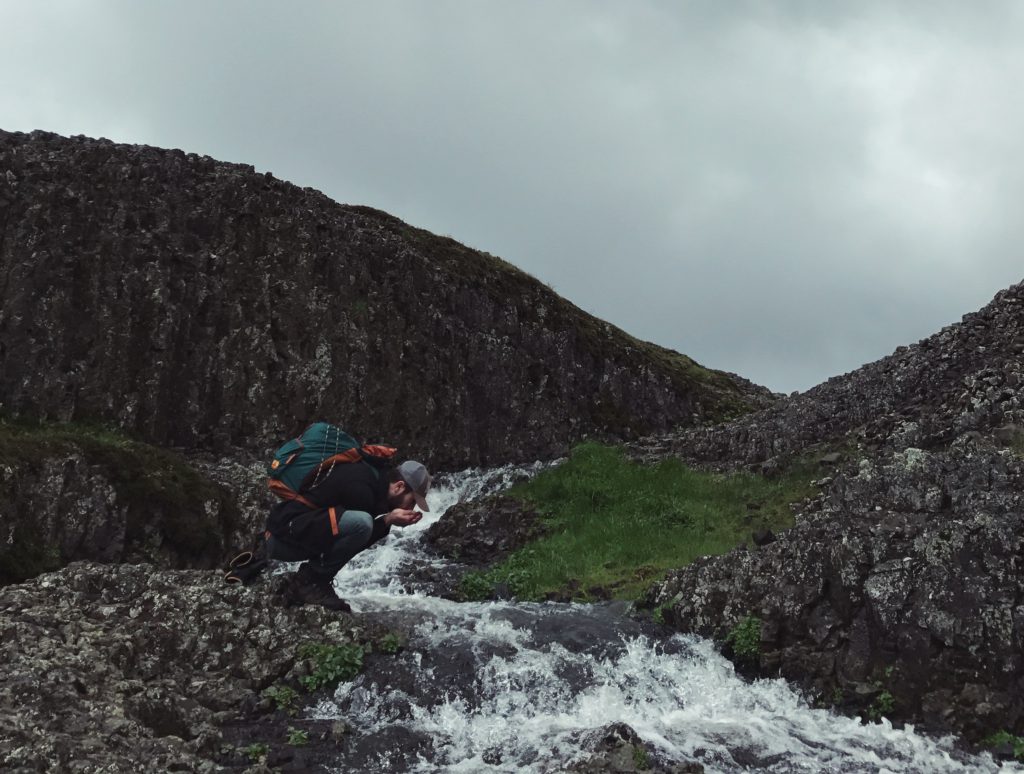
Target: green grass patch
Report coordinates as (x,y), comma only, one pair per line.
(390,643)
(285,698)
(641,758)
(1016,743)
(882,706)
(619,526)
(256,752)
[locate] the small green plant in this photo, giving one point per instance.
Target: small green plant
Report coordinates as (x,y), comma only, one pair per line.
(389,643)
(641,759)
(475,587)
(1000,738)
(745,639)
(297,737)
(837,696)
(883,705)
(256,752)
(285,698)
(331,663)
(658,614)
(1017,444)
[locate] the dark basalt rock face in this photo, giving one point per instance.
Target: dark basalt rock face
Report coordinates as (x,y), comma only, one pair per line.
(198,304)
(113,667)
(900,591)
(244,477)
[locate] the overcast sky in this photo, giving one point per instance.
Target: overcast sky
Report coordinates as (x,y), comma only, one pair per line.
(786,190)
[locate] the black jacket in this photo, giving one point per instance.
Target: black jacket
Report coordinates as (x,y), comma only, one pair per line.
(350,486)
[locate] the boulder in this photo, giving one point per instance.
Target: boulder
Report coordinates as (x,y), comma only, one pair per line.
(618,749)
(483,531)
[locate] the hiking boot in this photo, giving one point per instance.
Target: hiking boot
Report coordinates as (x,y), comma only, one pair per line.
(308,589)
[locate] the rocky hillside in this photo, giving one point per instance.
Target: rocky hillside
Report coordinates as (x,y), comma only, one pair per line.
(900,591)
(967,378)
(199,304)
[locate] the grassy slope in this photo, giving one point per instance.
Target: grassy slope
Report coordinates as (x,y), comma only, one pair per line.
(617,526)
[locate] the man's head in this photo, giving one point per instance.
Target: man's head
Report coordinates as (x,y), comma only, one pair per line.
(408,486)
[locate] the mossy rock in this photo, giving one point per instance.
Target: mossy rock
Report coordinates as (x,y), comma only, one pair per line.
(75,491)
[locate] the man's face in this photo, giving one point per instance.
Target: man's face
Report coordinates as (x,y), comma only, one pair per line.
(401,496)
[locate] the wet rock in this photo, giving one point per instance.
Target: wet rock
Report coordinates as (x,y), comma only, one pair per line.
(406,746)
(118,664)
(227,308)
(763,537)
(431,578)
(618,748)
(484,531)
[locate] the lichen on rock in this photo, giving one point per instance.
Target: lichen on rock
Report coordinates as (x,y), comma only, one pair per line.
(117,664)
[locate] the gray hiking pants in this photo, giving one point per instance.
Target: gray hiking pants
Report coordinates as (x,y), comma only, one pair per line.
(354,531)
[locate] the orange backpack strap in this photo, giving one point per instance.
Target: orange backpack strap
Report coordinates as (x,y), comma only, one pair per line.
(285,493)
(379,456)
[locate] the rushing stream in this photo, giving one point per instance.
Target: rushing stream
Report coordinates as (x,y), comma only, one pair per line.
(512,687)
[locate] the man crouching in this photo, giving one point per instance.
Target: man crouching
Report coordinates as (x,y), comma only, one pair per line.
(353,507)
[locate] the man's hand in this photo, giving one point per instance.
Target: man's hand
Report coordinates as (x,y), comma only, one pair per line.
(402,518)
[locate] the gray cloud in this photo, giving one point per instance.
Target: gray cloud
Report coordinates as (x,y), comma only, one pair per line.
(783,190)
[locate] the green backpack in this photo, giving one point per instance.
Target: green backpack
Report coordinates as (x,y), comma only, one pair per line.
(301,463)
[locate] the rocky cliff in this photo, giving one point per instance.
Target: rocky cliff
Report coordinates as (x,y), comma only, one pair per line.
(199,304)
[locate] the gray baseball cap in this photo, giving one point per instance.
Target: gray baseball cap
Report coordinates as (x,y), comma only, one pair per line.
(418,479)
